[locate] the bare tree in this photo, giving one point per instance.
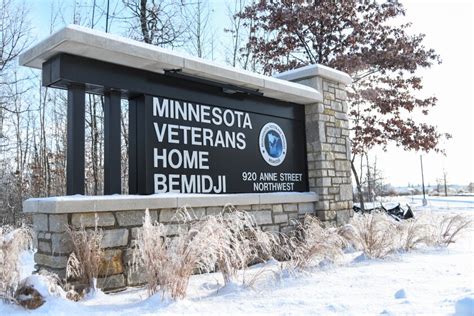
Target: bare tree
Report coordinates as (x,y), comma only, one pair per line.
(15,119)
(200,34)
(14,30)
(374,179)
(358,179)
(236,29)
(368,178)
(125,145)
(94,150)
(159,23)
(242,33)
(445,182)
(19,147)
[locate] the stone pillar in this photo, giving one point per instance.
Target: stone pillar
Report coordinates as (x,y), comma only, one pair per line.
(327,140)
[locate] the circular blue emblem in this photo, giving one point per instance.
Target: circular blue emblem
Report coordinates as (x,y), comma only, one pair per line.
(272,143)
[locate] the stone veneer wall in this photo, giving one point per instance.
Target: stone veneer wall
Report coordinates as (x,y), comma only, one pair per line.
(120,231)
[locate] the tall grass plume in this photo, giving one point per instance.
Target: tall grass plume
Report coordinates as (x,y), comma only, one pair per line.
(13,241)
(85,261)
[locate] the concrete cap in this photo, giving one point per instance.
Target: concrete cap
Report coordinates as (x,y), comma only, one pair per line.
(81,41)
(80,203)
(316,70)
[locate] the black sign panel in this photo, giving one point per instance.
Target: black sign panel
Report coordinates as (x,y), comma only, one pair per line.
(192,147)
(186,134)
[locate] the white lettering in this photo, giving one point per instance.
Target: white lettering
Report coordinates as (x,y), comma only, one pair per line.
(172,133)
(174,183)
(247,122)
(216,116)
(160,132)
(203,160)
(181,183)
(241,144)
(176,159)
(160,183)
(186,111)
(162,109)
(229,118)
(175,153)
(157,157)
(205,114)
(195,136)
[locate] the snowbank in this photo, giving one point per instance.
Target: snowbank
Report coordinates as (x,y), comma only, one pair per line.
(427,281)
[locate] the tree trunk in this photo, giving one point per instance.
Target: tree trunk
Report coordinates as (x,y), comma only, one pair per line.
(369,179)
(143,22)
(358,184)
(445,184)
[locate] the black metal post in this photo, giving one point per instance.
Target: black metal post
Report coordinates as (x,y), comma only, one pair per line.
(423,181)
(76,98)
(112,146)
(140,163)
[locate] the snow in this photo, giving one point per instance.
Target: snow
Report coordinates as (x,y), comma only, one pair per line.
(27,263)
(465,306)
(428,281)
(44,286)
(463,203)
(400,294)
(114,197)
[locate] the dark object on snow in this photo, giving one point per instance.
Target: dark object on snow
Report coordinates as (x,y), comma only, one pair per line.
(29,297)
(396,212)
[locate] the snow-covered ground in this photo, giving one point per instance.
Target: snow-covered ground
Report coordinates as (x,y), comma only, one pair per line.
(442,203)
(427,282)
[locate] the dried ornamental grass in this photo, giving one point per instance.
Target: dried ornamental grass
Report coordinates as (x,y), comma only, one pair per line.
(227,242)
(431,230)
(236,241)
(170,262)
(12,243)
(85,260)
(412,233)
(374,234)
(313,244)
(446,229)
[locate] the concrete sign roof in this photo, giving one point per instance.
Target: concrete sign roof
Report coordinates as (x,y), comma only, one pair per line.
(81,41)
(316,70)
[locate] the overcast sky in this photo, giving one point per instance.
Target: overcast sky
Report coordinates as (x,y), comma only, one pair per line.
(448,26)
(449,29)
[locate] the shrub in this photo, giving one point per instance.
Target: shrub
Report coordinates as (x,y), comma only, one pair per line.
(227,242)
(230,241)
(377,234)
(446,229)
(412,233)
(85,260)
(373,233)
(431,230)
(312,244)
(12,243)
(170,262)
(236,241)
